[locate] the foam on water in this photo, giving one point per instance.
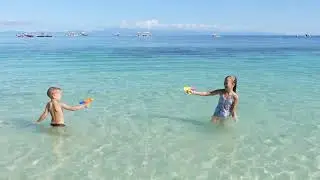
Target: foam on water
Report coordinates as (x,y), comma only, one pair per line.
(141,124)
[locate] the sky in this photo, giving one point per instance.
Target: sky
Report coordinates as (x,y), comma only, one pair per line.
(276,16)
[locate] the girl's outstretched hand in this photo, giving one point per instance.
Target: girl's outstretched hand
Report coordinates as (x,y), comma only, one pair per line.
(234,116)
(188,90)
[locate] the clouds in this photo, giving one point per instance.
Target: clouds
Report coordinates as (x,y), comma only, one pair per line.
(156,24)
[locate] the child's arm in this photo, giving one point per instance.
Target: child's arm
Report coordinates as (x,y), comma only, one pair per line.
(44,115)
(73,108)
(234,107)
(209,93)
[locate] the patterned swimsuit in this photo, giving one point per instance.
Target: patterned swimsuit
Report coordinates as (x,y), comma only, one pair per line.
(224,107)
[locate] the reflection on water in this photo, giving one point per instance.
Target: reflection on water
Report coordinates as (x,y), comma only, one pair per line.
(58,137)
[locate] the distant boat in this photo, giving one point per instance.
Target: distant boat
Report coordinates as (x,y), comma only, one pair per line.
(20,35)
(83,34)
(43,35)
(74,34)
(215,35)
(116,34)
(25,35)
(305,35)
(71,34)
(144,34)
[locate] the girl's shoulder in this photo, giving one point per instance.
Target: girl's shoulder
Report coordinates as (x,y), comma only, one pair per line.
(235,95)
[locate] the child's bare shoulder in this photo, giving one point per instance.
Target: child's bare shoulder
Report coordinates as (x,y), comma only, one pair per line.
(235,95)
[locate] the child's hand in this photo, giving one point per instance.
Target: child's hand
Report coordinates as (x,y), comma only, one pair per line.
(36,122)
(192,91)
(234,116)
(189,90)
(235,119)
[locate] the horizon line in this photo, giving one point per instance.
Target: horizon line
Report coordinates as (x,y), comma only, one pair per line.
(195,31)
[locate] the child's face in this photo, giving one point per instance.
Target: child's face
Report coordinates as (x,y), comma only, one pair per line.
(228,83)
(57,94)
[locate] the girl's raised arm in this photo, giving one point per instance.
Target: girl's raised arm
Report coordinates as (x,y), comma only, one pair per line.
(209,93)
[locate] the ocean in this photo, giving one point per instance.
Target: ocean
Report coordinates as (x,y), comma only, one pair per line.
(142,125)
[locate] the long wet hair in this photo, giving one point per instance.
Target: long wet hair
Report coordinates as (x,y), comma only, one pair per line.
(234,78)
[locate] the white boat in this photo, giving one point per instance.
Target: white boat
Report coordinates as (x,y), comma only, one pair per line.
(215,35)
(74,34)
(83,34)
(144,34)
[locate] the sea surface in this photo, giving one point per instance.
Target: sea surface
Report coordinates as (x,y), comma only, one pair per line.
(142,125)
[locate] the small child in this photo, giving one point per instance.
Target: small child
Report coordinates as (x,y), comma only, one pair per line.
(228,100)
(55,108)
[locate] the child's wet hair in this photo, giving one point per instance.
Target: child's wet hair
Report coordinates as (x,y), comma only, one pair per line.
(234,79)
(51,90)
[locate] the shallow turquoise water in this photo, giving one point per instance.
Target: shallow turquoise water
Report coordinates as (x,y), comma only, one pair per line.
(141,124)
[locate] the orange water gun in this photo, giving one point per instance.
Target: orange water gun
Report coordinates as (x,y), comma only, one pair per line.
(86,101)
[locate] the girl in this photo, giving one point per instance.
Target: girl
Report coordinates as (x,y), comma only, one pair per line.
(228,99)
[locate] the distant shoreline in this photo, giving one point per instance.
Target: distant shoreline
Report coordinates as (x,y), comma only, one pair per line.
(168,34)
(156,32)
